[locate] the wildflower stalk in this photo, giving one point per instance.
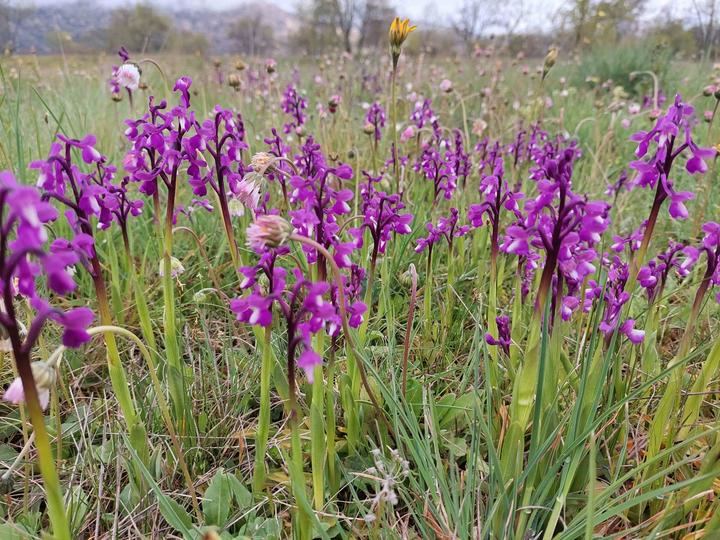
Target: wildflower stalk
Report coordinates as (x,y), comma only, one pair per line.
(369,292)
(263,428)
(492,296)
(350,342)
(118,379)
(330,418)
(408,328)
(398,33)
(224,209)
(639,258)
(301,521)
(393,127)
(174,363)
(427,294)
(449,296)
(317,429)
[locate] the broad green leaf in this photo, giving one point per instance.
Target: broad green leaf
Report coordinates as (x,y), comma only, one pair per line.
(217,499)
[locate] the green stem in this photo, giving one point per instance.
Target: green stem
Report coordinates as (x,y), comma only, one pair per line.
(427,295)
(408,328)
(174,364)
(106,330)
(263,429)
(330,419)
(393,127)
(140,300)
(301,522)
(350,346)
(118,379)
(53,491)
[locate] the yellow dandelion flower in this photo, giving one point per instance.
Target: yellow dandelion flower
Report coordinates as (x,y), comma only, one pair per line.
(398,33)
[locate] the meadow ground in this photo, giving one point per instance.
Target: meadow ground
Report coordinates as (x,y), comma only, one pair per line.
(542,365)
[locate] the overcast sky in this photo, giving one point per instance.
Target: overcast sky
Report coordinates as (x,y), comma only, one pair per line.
(539,13)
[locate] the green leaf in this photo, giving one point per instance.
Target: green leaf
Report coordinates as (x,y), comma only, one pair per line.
(243,497)
(217,499)
(10,532)
(176,516)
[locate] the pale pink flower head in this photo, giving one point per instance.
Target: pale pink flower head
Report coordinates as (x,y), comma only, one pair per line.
(128,76)
(44,376)
(446,86)
(246,195)
(268,231)
(407,134)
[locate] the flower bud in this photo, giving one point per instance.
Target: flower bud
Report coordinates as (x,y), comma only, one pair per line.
(176,267)
(234,81)
(268,231)
(45,378)
(368,129)
(261,161)
(550,59)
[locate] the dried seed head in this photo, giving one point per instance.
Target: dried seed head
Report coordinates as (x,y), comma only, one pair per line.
(261,161)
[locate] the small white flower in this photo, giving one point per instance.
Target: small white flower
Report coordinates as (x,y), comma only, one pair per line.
(128,76)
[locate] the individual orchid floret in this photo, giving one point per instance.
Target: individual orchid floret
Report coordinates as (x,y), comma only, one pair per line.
(633,334)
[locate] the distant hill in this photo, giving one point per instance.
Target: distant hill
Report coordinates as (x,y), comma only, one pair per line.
(82,23)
